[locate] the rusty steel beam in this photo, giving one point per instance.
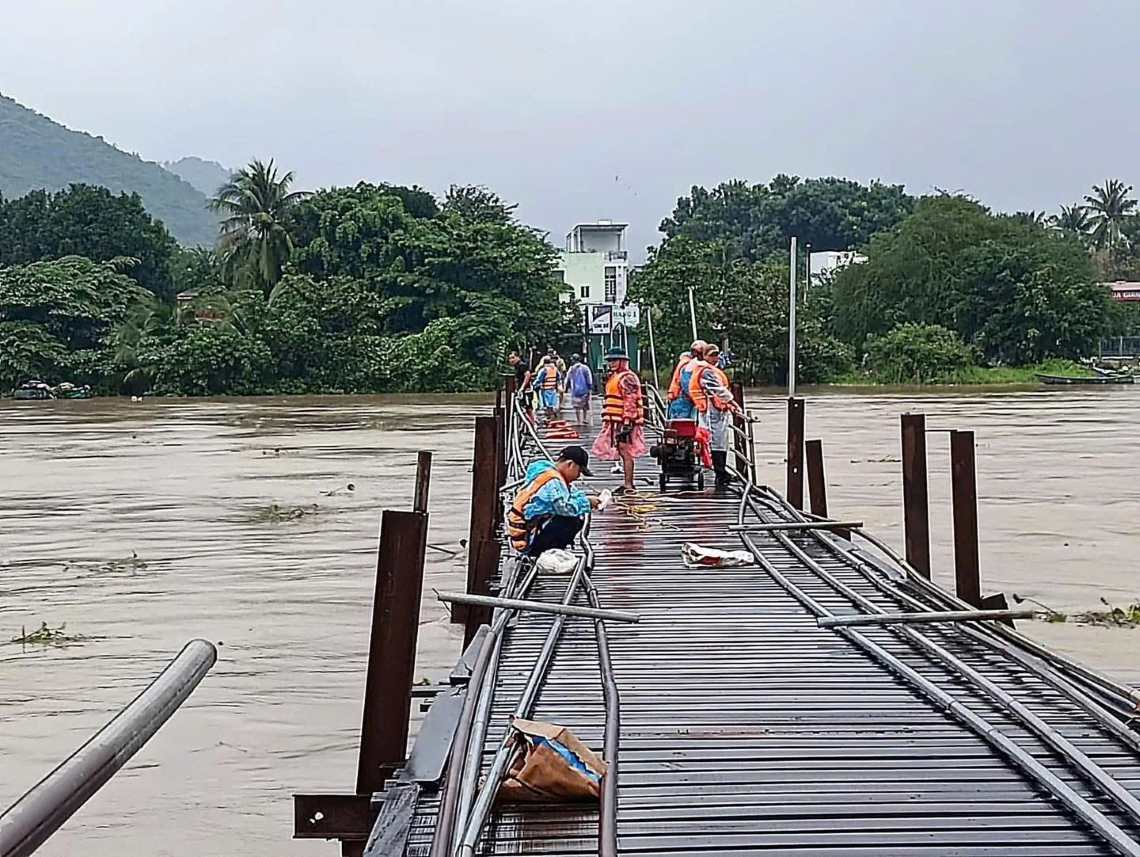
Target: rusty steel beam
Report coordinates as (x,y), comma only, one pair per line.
(795,487)
(392,647)
(916,507)
(964,488)
(817,483)
(423,481)
(482,546)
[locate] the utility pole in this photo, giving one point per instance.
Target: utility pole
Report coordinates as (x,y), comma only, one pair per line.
(791,322)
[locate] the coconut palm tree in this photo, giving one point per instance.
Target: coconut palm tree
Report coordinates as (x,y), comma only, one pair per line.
(254,242)
(1108,207)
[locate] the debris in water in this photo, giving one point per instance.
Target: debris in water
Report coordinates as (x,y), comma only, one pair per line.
(47,636)
(275,514)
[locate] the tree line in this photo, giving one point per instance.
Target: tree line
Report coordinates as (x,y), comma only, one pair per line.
(947,284)
(386,288)
(372,288)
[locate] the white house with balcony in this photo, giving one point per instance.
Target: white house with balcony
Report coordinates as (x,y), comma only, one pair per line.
(595,268)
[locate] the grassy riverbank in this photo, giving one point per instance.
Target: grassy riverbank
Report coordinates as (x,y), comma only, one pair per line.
(982,376)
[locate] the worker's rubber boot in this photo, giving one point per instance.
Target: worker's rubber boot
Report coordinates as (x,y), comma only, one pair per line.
(720,462)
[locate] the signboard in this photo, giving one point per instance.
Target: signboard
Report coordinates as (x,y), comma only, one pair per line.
(599,318)
(629,315)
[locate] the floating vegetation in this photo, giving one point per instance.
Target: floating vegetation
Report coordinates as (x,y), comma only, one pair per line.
(132,564)
(1112,617)
(275,514)
(45,635)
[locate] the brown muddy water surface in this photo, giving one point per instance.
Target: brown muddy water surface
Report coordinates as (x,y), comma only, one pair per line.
(143,525)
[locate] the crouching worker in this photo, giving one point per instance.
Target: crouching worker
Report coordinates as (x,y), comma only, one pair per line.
(548,513)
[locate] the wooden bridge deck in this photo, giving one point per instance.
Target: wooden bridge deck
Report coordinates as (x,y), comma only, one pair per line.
(745,728)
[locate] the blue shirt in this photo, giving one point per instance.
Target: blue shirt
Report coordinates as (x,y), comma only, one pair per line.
(579,379)
(555,497)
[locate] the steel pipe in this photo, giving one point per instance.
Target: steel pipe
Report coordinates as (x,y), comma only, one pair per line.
(538,607)
(39,813)
(921,618)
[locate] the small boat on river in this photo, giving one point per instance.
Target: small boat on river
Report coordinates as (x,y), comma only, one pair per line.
(1067,380)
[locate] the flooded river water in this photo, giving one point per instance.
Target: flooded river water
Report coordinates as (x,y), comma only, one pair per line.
(143,525)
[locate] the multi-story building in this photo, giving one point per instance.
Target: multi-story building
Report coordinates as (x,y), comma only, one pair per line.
(595,269)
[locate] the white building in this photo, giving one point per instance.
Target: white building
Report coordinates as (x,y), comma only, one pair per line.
(595,269)
(830,261)
(595,265)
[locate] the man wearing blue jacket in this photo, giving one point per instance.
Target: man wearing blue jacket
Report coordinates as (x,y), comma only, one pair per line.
(548,512)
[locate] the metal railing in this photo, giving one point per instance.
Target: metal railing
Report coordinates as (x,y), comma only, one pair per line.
(753,498)
(29,822)
(465,809)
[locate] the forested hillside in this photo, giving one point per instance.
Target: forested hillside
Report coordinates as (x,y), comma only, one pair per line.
(206,176)
(36,152)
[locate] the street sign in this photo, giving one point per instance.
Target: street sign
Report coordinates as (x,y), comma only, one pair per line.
(600,318)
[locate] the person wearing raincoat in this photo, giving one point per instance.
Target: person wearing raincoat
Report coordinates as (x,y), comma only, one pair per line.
(680,402)
(711,393)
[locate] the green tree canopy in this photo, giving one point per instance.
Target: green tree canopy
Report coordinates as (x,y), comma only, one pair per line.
(1018,293)
(256,206)
(87,221)
(754,221)
(73,299)
(739,302)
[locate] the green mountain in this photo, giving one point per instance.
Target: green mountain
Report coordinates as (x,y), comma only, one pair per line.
(36,152)
(206,176)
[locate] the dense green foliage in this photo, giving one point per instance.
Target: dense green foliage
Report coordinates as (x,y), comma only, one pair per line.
(742,305)
(91,222)
(384,288)
(917,354)
(37,153)
(374,288)
(54,315)
(1018,293)
(756,221)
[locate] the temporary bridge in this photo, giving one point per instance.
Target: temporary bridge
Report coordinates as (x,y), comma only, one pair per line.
(826,700)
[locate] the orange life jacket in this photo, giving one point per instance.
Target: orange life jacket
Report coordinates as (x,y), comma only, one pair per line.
(675,382)
(518,527)
(697,391)
(613,407)
(549,377)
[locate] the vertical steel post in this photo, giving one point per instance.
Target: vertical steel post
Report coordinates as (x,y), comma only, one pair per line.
(795,489)
(965,494)
(423,481)
(792,323)
(482,547)
(916,511)
(392,647)
(817,485)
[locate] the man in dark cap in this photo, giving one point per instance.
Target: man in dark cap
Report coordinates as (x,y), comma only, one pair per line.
(548,512)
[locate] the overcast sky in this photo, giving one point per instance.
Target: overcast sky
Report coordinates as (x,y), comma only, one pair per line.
(585,110)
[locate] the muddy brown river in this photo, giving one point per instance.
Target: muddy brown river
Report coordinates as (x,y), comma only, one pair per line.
(140,526)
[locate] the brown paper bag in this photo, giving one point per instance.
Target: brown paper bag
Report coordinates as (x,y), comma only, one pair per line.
(553,766)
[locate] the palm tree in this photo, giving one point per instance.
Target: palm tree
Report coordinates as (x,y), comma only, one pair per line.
(1031,218)
(1109,206)
(1073,218)
(254,242)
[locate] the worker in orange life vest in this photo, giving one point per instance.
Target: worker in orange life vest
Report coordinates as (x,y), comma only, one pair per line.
(680,404)
(622,435)
(548,384)
(711,393)
(548,511)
